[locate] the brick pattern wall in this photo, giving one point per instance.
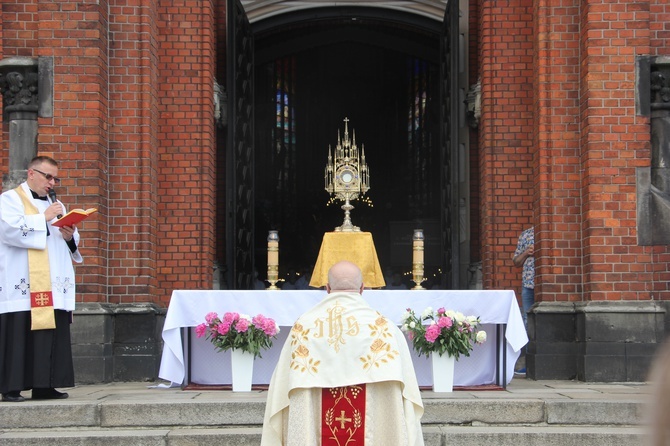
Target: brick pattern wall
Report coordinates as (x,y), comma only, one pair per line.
(659,27)
(558,142)
(557,164)
(133,158)
(75,35)
(187,175)
(569,167)
(18,37)
(505,136)
(614,143)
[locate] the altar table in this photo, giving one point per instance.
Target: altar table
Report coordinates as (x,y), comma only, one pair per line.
(187,359)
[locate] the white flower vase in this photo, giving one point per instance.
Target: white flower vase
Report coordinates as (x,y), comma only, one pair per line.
(443,372)
(242,364)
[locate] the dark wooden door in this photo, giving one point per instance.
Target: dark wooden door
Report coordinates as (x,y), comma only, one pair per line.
(240,150)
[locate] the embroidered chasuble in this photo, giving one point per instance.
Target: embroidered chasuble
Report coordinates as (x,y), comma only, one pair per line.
(41,298)
(344,376)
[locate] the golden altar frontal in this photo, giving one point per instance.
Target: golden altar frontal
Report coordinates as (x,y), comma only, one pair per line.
(356,247)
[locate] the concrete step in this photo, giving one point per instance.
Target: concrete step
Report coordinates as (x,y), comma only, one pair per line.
(251,436)
(560,413)
(478,421)
(202,413)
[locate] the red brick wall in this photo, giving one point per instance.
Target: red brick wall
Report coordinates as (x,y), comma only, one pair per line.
(133,129)
(659,27)
(75,35)
(614,143)
(557,165)
(133,158)
(20,27)
(558,143)
(505,135)
(186,176)
(563,157)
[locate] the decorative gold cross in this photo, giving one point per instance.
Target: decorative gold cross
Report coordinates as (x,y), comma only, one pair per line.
(42,299)
(342,419)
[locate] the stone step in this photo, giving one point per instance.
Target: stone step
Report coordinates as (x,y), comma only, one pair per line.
(554,413)
(207,413)
(251,436)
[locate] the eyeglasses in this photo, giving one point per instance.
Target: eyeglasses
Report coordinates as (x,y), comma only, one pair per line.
(48,176)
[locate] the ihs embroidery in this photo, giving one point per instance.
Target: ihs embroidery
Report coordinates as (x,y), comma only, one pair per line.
(337,326)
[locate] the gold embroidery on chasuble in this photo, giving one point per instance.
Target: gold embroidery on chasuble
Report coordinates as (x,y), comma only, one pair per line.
(301,359)
(338,329)
(337,326)
(380,350)
(343,416)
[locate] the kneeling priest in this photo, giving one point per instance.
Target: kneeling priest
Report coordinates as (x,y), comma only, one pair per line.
(344,376)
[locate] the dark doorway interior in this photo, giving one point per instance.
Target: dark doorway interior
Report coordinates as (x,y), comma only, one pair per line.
(384,79)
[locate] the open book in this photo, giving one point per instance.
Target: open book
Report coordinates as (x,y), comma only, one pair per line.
(73,217)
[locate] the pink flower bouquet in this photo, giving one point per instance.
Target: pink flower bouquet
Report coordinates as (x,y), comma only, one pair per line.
(441,332)
(239,331)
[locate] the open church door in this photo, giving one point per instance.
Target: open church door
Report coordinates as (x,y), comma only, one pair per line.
(240,148)
(449,107)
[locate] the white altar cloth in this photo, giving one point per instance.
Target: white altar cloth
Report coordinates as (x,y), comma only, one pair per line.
(188,308)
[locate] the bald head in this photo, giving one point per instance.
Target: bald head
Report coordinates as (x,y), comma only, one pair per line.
(345,276)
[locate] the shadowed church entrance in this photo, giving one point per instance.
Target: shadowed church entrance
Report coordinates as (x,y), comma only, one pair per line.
(302,98)
(383,75)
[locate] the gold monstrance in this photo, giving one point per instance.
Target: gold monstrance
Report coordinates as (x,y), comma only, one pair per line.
(347,175)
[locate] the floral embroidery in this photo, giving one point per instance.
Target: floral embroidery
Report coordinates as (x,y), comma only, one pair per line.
(380,350)
(300,356)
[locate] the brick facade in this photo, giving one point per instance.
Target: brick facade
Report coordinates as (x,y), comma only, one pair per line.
(557,147)
(559,144)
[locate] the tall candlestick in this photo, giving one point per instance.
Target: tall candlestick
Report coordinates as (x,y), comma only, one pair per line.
(273,259)
(417,259)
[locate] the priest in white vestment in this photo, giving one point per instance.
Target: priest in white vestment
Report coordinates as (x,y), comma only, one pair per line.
(37,288)
(344,376)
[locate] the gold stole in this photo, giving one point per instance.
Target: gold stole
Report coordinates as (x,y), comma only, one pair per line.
(41,299)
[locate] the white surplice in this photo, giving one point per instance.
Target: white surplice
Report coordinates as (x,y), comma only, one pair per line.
(340,342)
(20,232)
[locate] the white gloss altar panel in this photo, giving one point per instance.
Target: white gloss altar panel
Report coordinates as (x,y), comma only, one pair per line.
(188,309)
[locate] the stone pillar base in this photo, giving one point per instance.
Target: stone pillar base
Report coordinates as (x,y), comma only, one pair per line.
(117,342)
(593,341)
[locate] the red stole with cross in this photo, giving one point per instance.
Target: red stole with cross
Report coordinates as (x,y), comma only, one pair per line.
(41,300)
(343,416)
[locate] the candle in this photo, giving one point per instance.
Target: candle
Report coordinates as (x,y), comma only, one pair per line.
(273,259)
(417,258)
(418,246)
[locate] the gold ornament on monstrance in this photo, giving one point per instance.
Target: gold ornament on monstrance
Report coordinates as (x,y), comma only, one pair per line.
(347,175)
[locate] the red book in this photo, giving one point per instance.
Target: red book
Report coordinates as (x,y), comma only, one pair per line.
(73,217)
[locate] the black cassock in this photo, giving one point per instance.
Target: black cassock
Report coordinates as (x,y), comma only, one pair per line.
(34,359)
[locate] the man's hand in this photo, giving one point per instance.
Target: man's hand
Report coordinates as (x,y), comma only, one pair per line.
(521,258)
(67,232)
(53,211)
